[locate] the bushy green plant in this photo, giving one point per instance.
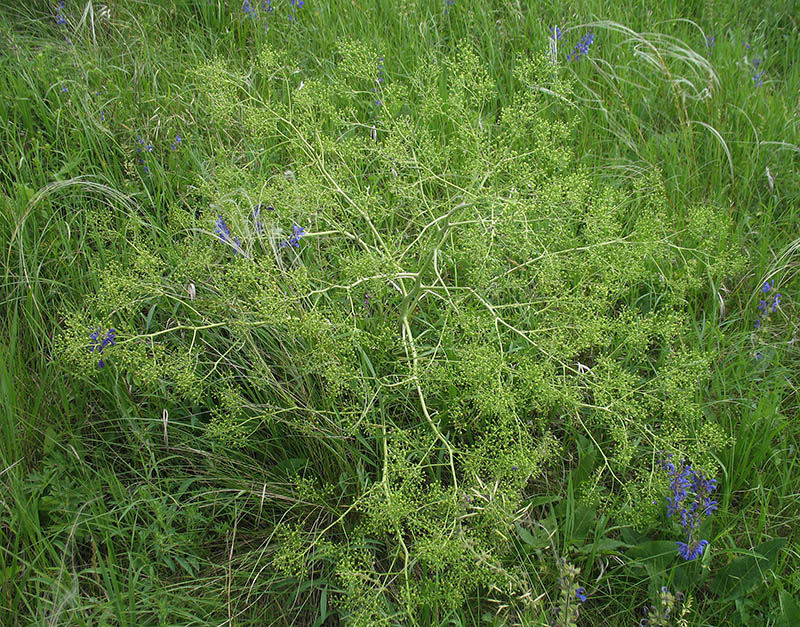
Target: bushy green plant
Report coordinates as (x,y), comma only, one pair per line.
(365,333)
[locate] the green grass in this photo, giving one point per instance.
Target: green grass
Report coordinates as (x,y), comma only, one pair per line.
(520,284)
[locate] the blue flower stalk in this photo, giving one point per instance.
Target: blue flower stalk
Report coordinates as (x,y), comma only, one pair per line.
(143,147)
(295,4)
(100,345)
(690,500)
(224,234)
(60,19)
(267,8)
(294,240)
(763,305)
(582,48)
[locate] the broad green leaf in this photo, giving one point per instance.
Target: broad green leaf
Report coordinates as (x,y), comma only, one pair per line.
(790,609)
(538,539)
(604,545)
(655,553)
(745,573)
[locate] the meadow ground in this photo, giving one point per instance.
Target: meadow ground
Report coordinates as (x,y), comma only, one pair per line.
(399,313)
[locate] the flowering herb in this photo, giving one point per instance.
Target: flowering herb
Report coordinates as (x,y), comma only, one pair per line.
(295,4)
(222,230)
(764,305)
(690,499)
(224,234)
(259,226)
(266,6)
(60,19)
(571,597)
(143,147)
(257,213)
(710,42)
(448,4)
(100,345)
(248,9)
(659,615)
(757,76)
(294,240)
(582,47)
(176,143)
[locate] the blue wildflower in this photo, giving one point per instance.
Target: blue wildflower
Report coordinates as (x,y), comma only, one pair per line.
(710,41)
(224,234)
(580,593)
(176,143)
(582,47)
(100,345)
(691,550)
(222,230)
(295,4)
(556,33)
(248,8)
(294,240)
(757,76)
(257,214)
(267,8)
(143,147)
(60,19)
(690,499)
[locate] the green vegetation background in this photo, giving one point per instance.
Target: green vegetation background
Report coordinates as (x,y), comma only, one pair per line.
(522,281)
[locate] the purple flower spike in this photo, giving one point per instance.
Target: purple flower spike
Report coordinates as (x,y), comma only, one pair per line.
(294,240)
(690,499)
(97,344)
(690,551)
